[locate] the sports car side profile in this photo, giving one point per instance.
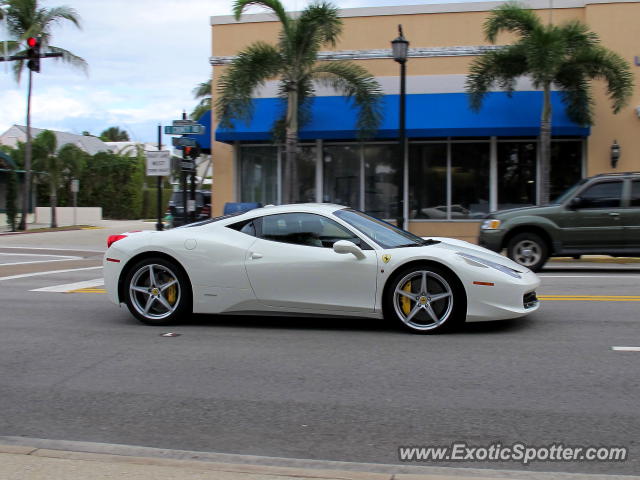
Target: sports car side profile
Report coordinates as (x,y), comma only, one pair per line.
(317,259)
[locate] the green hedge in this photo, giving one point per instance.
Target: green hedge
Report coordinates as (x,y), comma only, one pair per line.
(150,201)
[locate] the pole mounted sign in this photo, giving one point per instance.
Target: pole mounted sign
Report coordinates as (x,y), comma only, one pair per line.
(184,142)
(158,163)
(193,129)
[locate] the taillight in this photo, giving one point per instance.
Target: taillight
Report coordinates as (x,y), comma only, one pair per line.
(114,238)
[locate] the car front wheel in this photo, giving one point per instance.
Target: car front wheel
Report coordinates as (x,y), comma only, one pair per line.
(157,292)
(529,250)
(425,299)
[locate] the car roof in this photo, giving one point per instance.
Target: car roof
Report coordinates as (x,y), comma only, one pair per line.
(318,208)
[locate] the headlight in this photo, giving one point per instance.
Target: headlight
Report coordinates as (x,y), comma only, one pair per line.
(488,263)
(491,224)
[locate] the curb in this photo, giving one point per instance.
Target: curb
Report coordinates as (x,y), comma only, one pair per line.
(248,467)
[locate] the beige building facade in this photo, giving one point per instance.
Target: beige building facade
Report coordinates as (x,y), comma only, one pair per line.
(460,165)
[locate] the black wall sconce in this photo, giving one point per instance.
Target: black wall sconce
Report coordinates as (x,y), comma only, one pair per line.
(615,154)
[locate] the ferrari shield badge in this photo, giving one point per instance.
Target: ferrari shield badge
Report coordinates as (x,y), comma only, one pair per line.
(386,257)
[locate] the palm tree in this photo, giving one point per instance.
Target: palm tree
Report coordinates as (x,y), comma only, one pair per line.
(202,92)
(44,155)
(294,61)
(27,18)
(567,56)
(114,134)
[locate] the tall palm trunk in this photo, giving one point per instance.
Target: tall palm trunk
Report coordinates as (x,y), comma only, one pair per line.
(289,170)
(545,146)
(53,200)
(27,161)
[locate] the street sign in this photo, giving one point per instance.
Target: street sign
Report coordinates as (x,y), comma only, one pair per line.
(195,129)
(184,142)
(187,164)
(158,163)
(183,122)
(75,185)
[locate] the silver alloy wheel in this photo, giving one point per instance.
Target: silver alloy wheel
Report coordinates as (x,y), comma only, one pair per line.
(429,300)
(527,253)
(155,291)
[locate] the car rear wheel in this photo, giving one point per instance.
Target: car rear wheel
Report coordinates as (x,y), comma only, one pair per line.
(425,299)
(528,250)
(157,292)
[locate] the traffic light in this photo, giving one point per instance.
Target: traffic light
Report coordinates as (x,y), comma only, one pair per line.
(33,54)
(191,152)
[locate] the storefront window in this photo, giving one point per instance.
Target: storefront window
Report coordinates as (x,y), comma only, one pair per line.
(382,173)
(516,174)
(428,181)
(470,180)
(258,174)
(341,175)
(303,175)
(566,165)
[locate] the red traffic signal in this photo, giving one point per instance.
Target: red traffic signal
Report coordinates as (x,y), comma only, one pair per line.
(33,54)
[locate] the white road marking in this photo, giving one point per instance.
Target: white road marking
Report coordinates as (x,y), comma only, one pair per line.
(626,349)
(604,275)
(55,248)
(35,274)
(41,261)
(37,255)
(71,286)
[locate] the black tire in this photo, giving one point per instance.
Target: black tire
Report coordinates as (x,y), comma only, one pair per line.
(450,311)
(529,250)
(169,303)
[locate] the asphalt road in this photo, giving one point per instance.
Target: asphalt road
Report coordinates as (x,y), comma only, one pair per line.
(75,367)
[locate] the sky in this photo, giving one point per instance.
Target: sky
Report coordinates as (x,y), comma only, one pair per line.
(145,57)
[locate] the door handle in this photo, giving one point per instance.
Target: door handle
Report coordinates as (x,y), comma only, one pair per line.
(614,214)
(255,256)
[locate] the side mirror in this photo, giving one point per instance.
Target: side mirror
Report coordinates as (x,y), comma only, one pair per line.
(345,246)
(575,203)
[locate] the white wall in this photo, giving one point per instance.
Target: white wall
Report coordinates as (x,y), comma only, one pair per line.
(85,215)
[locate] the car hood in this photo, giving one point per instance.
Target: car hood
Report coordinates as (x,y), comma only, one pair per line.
(512,212)
(455,245)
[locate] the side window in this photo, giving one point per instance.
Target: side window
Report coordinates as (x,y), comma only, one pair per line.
(305,229)
(635,193)
(602,195)
(248,227)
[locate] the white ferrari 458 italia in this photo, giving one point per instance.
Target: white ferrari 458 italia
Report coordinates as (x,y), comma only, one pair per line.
(313,259)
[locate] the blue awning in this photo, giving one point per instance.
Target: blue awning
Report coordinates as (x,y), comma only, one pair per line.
(428,115)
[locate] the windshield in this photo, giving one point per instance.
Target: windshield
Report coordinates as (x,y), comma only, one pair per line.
(563,197)
(383,233)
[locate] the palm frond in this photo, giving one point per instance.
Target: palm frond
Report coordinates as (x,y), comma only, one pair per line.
(495,68)
(577,36)
(200,109)
(576,93)
(510,17)
(70,58)
(320,20)
(250,69)
(56,14)
(203,90)
(274,5)
(601,63)
(354,82)
(545,51)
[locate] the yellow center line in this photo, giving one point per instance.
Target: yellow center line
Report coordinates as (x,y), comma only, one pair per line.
(591,298)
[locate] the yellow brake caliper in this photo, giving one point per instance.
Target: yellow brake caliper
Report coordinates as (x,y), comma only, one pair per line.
(171,294)
(405,303)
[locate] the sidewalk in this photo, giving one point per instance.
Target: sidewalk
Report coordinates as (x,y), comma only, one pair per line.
(20,462)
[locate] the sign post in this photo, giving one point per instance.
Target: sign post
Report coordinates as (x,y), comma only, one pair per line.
(159,165)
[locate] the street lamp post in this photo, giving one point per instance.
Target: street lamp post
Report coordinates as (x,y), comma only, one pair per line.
(399,49)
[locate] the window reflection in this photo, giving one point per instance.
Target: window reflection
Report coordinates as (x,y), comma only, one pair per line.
(469,180)
(382,177)
(304,175)
(516,174)
(428,181)
(341,175)
(258,174)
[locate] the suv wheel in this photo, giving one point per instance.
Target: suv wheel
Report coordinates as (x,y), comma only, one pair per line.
(529,250)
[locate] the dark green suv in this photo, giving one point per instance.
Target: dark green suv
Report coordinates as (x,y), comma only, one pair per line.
(599,215)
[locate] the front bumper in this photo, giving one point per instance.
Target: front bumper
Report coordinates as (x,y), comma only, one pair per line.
(491,239)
